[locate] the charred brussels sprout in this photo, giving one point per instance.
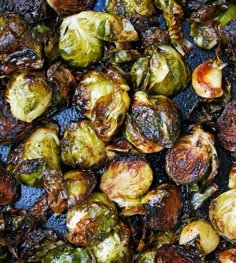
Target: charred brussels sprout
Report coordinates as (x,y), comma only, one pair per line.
(153,124)
(70,7)
(222,214)
(226,125)
(116,247)
(103,98)
(163,206)
(79,185)
(161,71)
(80,146)
(193,158)
(32,157)
(126,179)
(227,256)
(68,254)
(81,36)
(29,95)
(208,238)
(91,221)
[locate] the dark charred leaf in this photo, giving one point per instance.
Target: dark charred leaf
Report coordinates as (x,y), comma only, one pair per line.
(41,208)
(155,35)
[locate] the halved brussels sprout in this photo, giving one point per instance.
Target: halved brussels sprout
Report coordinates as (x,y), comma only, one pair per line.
(193,158)
(68,254)
(207,79)
(79,185)
(226,126)
(80,146)
(227,256)
(103,98)
(69,7)
(116,247)
(29,95)
(163,206)
(32,157)
(90,222)
(208,238)
(81,36)
(153,124)
(126,179)
(162,71)
(222,214)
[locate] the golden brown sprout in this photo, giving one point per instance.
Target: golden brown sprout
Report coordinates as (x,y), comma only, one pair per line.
(227,256)
(208,238)
(232,177)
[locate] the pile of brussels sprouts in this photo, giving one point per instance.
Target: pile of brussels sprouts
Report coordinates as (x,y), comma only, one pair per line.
(127,174)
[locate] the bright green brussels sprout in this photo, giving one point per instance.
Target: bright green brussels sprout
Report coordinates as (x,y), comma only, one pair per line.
(222,214)
(153,124)
(80,146)
(90,222)
(79,185)
(103,98)
(29,95)
(193,158)
(81,36)
(67,254)
(39,152)
(126,179)
(116,247)
(162,71)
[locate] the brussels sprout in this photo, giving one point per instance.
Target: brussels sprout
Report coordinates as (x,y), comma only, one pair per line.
(79,185)
(18,48)
(32,157)
(153,124)
(155,35)
(222,214)
(173,14)
(163,206)
(29,94)
(90,222)
(81,36)
(8,187)
(232,177)
(126,179)
(147,256)
(209,239)
(131,8)
(227,256)
(103,98)
(69,7)
(162,71)
(66,253)
(207,79)
(226,126)
(115,248)
(32,10)
(193,158)
(77,146)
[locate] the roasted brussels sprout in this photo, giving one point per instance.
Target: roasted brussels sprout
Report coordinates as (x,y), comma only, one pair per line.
(8,187)
(79,185)
(103,98)
(32,157)
(147,256)
(77,146)
(163,206)
(232,177)
(29,95)
(126,179)
(226,125)
(116,247)
(67,253)
(193,158)
(227,256)
(70,7)
(153,124)
(81,36)
(207,79)
(222,214)
(208,237)
(90,222)
(18,48)
(161,71)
